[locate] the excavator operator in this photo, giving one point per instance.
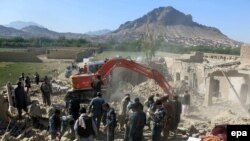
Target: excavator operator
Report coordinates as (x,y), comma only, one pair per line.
(96,84)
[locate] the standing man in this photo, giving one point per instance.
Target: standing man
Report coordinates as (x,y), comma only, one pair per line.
(74,107)
(22,76)
(149,104)
(169,118)
(130,106)
(55,125)
(177,113)
(28,86)
(85,127)
(110,122)
(97,84)
(22,79)
(20,99)
(138,103)
(95,107)
(123,111)
(46,89)
(85,68)
(186,103)
(27,83)
(157,118)
(37,78)
(136,124)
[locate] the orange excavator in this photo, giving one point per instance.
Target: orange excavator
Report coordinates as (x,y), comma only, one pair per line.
(81,84)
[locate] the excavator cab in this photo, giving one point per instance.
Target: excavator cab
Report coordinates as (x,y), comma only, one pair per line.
(93,67)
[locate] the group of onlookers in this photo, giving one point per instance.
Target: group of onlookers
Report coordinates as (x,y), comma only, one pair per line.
(162,113)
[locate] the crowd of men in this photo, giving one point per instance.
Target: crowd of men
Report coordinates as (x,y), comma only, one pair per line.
(159,114)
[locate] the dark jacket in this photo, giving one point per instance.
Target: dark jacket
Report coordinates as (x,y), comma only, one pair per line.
(137,123)
(159,115)
(27,82)
(46,88)
(97,85)
(96,106)
(20,97)
(111,118)
(54,124)
(186,99)
(74,107)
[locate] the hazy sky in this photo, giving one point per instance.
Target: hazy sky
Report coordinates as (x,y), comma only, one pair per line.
(230,16)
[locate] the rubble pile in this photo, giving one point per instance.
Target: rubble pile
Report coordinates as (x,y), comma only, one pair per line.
(147,89)
(202,118)
(33,126)
(199,122)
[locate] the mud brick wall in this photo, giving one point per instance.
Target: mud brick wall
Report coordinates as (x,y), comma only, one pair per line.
(61,53)
(245,54)
(18,57)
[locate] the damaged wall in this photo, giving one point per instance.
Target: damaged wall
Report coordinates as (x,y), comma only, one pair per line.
(225,86)
(220,57)
(245,54)
(209,80)
(191,73)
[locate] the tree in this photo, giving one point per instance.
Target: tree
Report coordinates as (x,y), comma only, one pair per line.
(150,44)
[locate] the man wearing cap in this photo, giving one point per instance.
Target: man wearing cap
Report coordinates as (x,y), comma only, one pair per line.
(95,107)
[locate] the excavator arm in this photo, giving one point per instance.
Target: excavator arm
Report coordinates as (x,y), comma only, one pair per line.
(83,81)
(105,70)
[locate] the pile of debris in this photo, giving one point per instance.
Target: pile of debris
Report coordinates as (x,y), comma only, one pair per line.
(33,126)
(147,89)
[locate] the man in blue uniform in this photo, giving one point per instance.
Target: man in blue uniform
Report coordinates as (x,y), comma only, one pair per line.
(110,122)
(157,118)
(136,124)
(95,107)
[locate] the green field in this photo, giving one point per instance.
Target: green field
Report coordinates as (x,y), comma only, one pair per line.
(12,50)
(12,71)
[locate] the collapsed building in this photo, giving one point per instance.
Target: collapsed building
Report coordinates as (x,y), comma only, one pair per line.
(214,75)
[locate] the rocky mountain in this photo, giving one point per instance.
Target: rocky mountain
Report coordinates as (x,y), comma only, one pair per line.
(37,31)
(165,23)
(7,32)
(98,32)
(21,24)
(172,26)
